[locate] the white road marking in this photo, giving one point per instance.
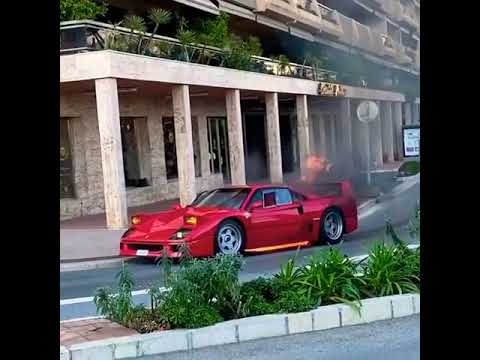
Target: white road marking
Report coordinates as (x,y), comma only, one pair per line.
(90,298)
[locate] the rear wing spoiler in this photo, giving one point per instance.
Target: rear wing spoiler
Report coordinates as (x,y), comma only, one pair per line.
(341,188)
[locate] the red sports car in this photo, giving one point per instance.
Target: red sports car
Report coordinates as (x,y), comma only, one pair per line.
(251,218)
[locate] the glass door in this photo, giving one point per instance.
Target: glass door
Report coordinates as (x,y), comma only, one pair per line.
(219,155)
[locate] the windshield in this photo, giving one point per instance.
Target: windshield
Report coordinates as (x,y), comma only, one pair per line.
(222,198)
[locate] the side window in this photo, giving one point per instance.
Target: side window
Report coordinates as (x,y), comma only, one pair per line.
(283,197)
(269,198)
(298,197)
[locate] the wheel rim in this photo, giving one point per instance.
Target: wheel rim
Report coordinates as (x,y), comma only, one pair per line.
(333,225)
(229,239)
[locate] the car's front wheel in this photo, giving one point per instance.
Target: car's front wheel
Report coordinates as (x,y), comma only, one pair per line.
(331,230)
(229,239)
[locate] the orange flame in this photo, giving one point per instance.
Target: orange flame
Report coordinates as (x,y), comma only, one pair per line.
(316,165)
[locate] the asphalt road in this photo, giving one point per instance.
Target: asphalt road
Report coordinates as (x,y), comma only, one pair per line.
(397,339)
(80,284)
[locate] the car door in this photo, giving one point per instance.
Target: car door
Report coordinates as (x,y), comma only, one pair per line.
(277,222)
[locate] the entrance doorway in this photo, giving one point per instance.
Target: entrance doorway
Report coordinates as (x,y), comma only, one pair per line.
(255,147)
(288,142)
(218,149)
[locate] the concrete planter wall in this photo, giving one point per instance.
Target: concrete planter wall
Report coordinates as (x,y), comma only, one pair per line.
(236,331)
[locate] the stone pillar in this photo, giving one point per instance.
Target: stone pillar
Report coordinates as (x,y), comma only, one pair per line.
(415,113)
(397,129)
(108,115)
(344,138)
(235,137)
(331,138)
(203,139)
(274,150)
(322,135)
(407,108)
(302,131)
(375,128)
(360,142)
(184,143)
(387,132)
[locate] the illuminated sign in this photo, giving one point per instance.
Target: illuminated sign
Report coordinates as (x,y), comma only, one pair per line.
(329,89)
(411,141)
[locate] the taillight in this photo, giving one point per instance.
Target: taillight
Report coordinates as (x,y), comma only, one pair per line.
(136,220)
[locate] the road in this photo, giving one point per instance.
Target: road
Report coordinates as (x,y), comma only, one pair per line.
(82,284)
(397,339)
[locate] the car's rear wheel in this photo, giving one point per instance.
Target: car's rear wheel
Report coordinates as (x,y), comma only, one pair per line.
(331,230)
(229,239)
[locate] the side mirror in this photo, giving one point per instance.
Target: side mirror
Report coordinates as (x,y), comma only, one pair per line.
(176,207)
(256,205)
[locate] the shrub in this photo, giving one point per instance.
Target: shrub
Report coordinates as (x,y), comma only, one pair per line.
(331,277)
(409,168)
(292,301)
(144,320)
(118,306)
(203,292)
(185,307)
(258,297)
(391,270)
(81,9)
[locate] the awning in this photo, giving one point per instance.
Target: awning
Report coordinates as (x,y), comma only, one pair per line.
(236,10)
(205,5)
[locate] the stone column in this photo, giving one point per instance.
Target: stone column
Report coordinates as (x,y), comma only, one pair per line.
(184,143)
(407,108)
(203,139)
(387,132)
(344,138)
(322,135)
(331,138)
(302,131)
(397,126)
(360,143)
(274,150)
(108,115)
(415,113)
(235,137)
(375,128)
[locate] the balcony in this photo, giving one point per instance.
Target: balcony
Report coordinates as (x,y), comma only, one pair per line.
(330,21)
(87,35)
(282,10)
(308,15)
(409,17)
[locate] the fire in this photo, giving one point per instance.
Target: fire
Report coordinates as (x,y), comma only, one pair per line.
(316,165)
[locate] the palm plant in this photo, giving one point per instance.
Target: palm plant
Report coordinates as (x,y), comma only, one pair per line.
(136,24)
(187,38)
(332,277)
(391,270)
(158,17)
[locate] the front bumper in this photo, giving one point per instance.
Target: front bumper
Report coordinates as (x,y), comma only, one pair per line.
(150,249)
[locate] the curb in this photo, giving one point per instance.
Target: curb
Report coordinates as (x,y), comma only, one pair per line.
(252,328)
(92,264)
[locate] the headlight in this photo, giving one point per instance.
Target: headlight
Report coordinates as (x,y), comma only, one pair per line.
(136,220)
(191,220)
(180,234)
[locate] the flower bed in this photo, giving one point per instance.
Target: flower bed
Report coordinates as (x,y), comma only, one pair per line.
(204,292)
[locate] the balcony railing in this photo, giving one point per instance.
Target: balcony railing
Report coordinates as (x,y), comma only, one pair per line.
(328,14)
(87,35)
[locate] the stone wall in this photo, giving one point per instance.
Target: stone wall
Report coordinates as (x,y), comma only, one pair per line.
(80,109)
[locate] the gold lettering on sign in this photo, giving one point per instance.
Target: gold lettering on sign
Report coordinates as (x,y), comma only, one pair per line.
(329,89)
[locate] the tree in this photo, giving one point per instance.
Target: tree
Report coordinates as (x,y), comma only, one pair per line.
(81,9)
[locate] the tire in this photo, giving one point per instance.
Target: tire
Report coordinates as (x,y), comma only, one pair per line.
(229,238)
(332,227)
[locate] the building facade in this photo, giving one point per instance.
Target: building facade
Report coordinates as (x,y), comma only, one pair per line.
(138,129)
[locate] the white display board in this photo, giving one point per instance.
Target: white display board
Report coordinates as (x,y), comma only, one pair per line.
(411,141)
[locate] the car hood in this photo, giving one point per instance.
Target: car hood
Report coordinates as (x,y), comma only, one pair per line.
(163,225)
